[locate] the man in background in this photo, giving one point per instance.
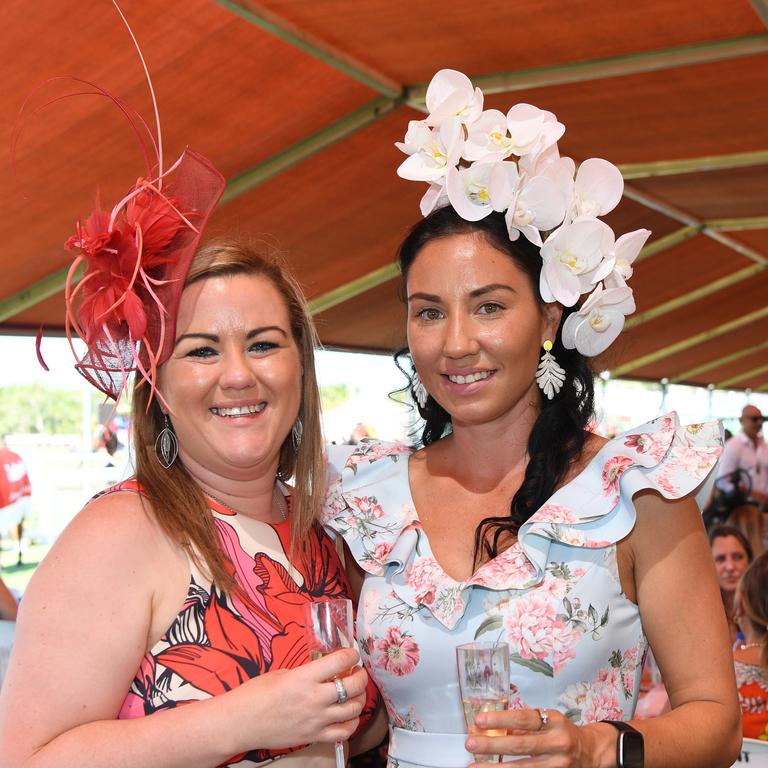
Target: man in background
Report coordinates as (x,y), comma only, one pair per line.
(746,454)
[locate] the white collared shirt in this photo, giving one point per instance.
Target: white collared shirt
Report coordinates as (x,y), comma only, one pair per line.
(740,453)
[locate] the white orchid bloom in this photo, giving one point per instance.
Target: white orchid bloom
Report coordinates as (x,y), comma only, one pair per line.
(435,197)
(469,189)
(532,130)
(539,206)
(431,152)
(450,94)
(598,188)
(596,325)
(624,252)
(488,136)
(574,260)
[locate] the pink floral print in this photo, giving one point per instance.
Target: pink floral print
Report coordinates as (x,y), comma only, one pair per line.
(399,652)
(613,469)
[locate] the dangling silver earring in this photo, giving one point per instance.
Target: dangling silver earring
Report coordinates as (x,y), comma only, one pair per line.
(297,431)
(419,390)
(549,375)
(166,445)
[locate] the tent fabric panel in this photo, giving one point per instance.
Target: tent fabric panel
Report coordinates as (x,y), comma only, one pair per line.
(404,39)
(736,192)
(657,115)
(374,321)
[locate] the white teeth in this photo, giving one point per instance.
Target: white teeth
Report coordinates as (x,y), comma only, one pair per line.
(469,378)
(242,410)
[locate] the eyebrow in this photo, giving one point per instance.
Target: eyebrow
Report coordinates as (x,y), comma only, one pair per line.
(473,294)
(213,337)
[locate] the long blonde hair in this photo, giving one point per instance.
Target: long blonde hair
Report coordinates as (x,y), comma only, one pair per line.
(177,502)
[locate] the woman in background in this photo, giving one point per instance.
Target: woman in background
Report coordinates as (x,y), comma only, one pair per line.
(751,656)
(731,554)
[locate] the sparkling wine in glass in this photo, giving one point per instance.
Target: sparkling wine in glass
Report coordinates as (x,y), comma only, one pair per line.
(484,684)
(329,628)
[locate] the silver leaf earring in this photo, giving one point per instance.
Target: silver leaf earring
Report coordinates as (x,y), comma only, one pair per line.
(419,390)
(549,375)
(166,445)
(297,431)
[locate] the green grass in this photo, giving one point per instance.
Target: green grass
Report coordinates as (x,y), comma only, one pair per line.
(17,576)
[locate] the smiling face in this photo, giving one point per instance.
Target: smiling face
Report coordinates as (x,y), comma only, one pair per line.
(475,328)
(233,382)
(730,561)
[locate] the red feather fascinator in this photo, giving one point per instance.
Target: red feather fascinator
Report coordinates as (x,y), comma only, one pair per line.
(136,257)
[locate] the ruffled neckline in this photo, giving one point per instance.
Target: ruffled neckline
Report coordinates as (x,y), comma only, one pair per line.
(584,512)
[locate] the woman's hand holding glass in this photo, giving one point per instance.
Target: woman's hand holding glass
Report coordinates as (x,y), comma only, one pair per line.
(543,737)
(287,707)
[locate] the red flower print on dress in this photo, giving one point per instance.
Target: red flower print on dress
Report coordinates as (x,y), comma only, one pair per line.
(647,443)
(613,469)
(399,652)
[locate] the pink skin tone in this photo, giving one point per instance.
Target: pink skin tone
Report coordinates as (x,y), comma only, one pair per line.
(472,310)
(233,348)
(730,561)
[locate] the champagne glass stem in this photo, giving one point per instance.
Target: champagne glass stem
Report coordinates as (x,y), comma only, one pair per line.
(340,762)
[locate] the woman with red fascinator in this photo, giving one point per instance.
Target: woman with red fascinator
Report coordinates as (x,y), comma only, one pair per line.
(165,628)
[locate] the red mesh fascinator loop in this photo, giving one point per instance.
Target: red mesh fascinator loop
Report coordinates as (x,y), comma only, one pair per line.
(137,259)
(137,256)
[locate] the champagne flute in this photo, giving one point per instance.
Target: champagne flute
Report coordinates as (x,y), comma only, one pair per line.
(484,684)
(329,628)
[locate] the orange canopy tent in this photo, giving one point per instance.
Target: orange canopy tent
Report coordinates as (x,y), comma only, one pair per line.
(298,103)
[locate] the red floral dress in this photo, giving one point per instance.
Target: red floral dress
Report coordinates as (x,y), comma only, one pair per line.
(216,642)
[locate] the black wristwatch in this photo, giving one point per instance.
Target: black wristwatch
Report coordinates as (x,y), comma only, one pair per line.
(630,751)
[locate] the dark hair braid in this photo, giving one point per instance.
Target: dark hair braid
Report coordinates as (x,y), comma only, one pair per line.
(559,433)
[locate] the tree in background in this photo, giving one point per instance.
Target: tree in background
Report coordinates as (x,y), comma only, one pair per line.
(36,409)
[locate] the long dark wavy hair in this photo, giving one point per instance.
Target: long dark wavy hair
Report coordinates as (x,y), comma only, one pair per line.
(559,433)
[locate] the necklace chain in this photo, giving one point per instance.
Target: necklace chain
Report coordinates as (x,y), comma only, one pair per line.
(744,646)
(278,497)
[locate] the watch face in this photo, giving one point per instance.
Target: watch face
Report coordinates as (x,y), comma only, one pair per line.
(631,752)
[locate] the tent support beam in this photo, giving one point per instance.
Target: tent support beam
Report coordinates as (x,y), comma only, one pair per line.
(354,288)
(303,40)
(616,66)
(693,165)
(325,137)
(699,338)
(708,366)
(733,379)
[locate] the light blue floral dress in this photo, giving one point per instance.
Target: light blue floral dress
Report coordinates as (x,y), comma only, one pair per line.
(577,643)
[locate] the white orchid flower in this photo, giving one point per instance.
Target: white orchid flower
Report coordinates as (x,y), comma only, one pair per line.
(435,197)
(469,189)
(598,188)
(431,151)
(624,252)
(539,206)
(596,325)
(488,136)
(450,94)
(574,260)
(532,130)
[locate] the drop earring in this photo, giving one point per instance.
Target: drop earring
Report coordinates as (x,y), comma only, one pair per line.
(549,375)
(419,390)
(166,444)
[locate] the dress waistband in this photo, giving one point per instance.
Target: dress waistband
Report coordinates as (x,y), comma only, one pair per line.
(432,750)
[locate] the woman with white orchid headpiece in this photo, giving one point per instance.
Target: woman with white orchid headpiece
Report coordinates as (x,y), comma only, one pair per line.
(512,522)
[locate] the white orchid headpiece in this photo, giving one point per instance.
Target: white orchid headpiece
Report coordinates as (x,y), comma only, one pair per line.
(479,161)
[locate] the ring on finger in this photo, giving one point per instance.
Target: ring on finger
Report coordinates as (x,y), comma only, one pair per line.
(544,715)
(341,691)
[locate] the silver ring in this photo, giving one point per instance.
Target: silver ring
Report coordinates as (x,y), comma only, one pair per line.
(341,691)
(544,715)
